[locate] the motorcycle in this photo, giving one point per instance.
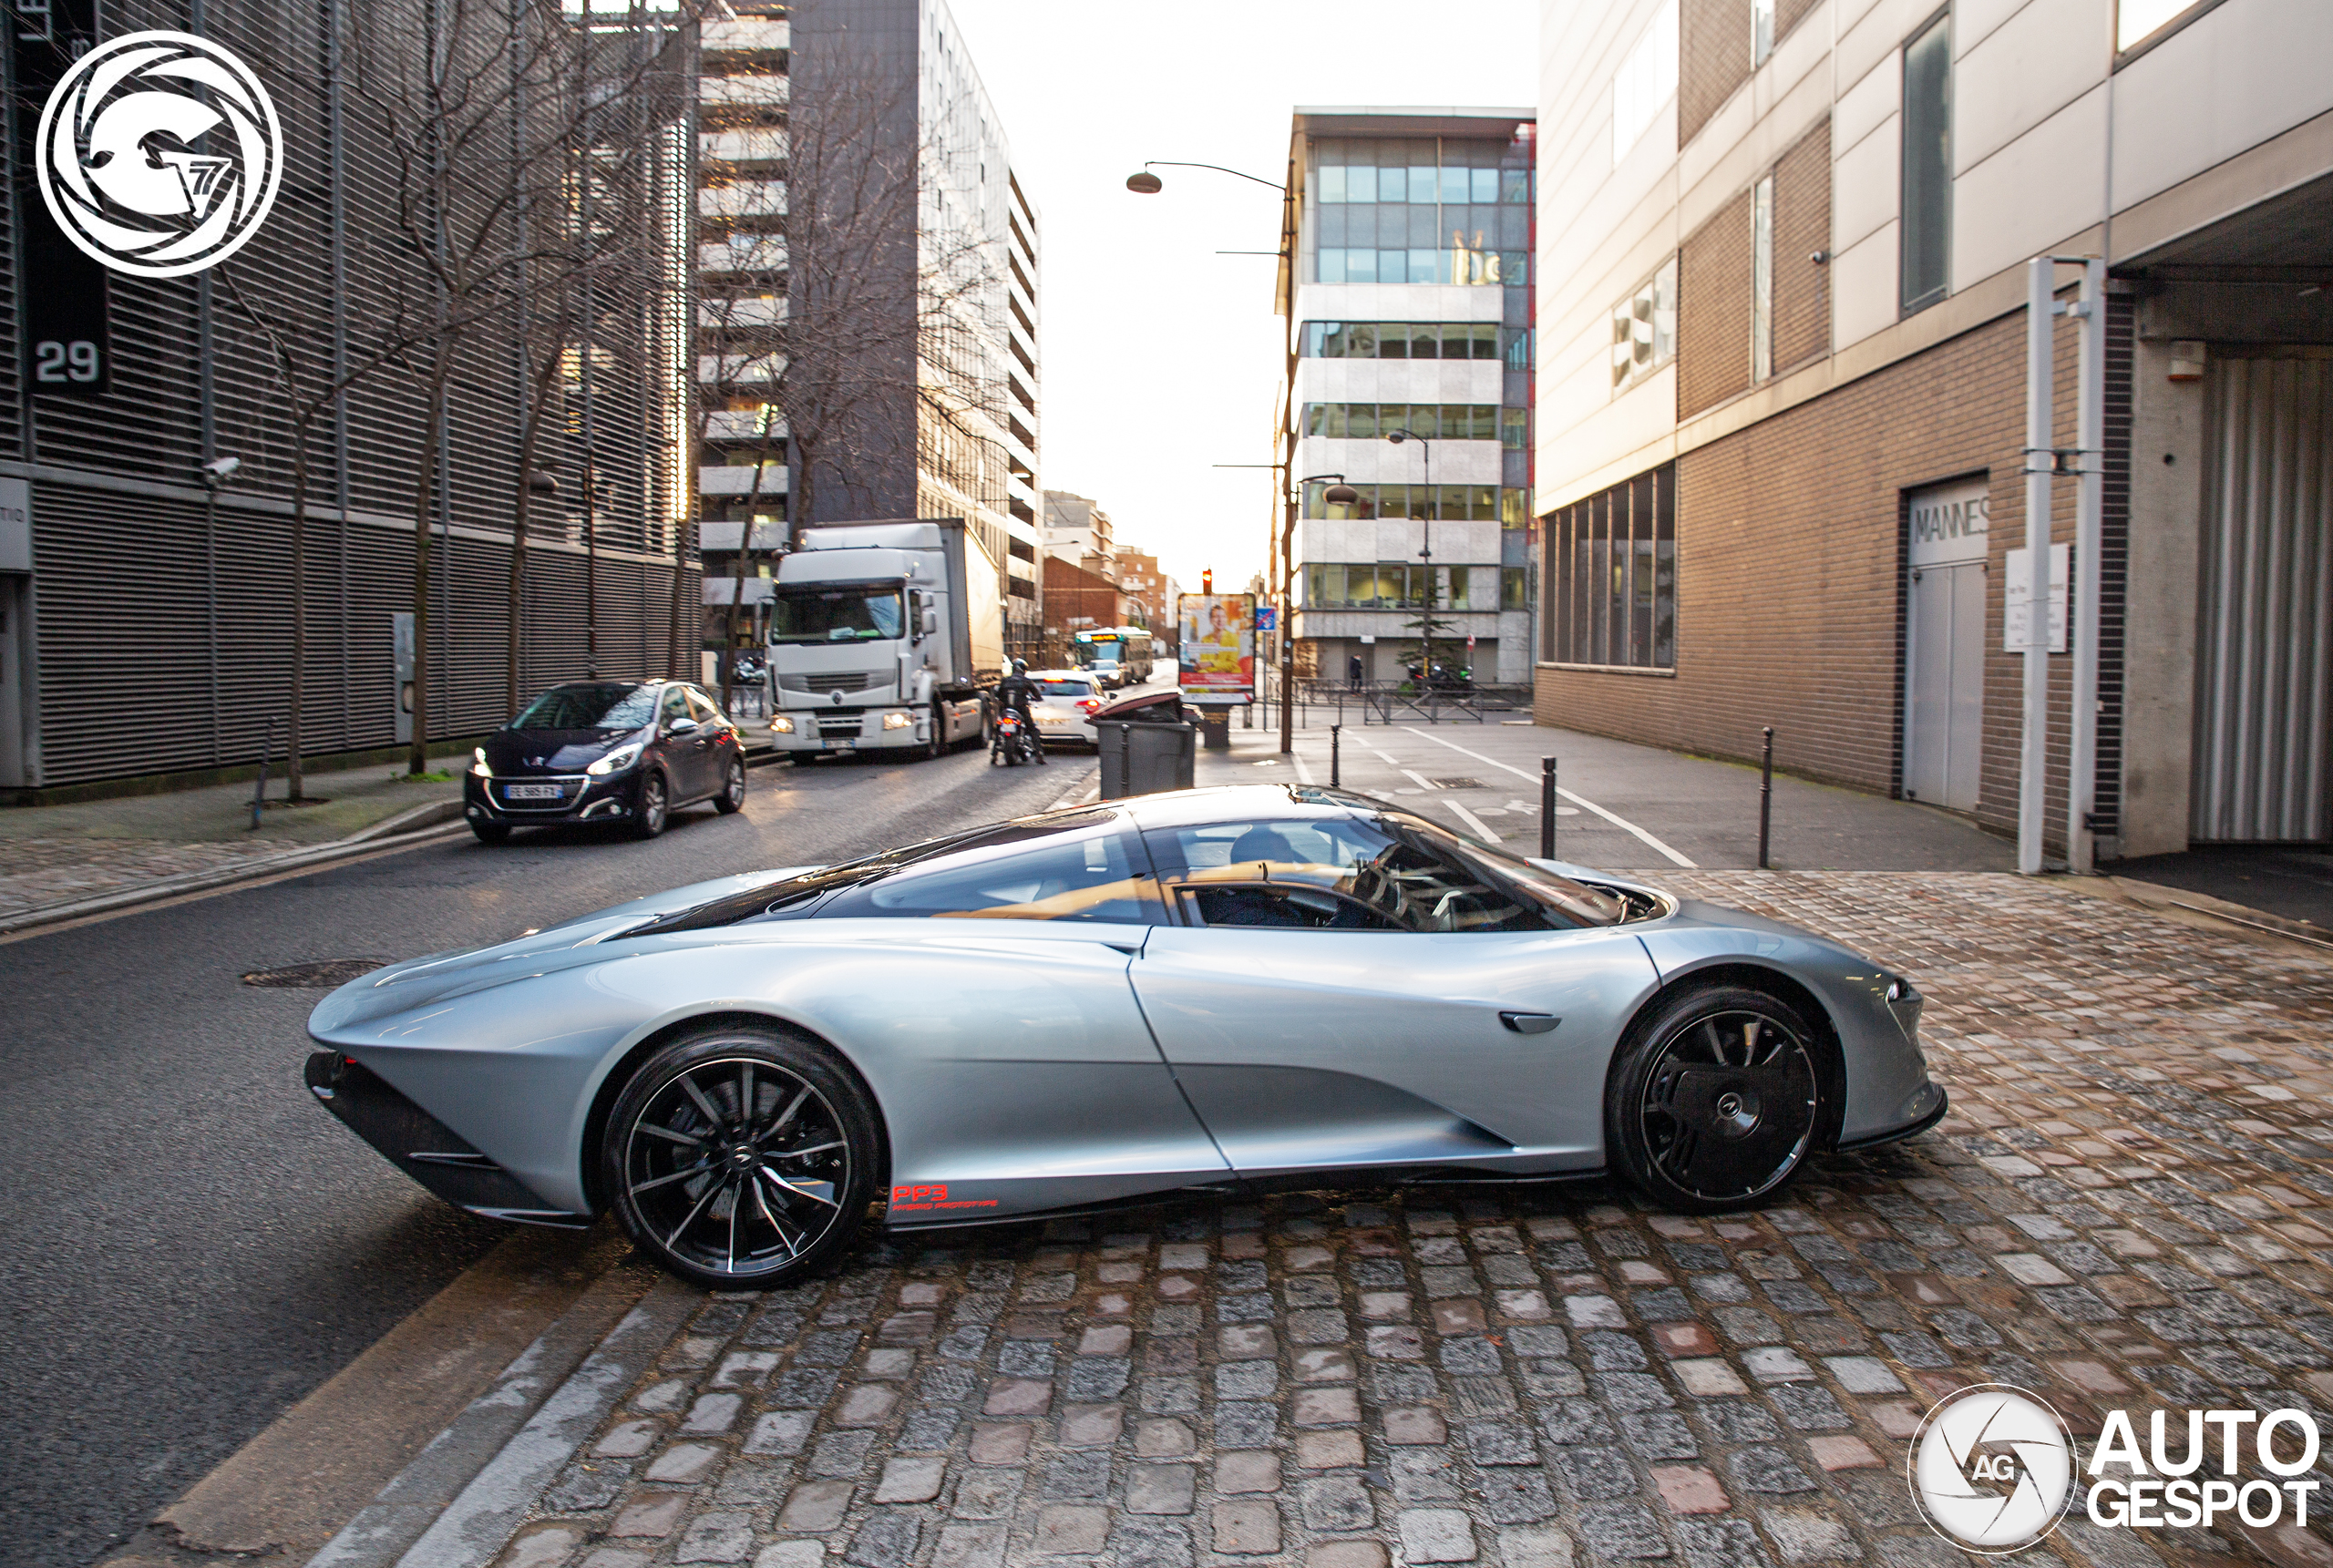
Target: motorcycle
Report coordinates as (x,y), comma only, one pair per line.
(1015,741)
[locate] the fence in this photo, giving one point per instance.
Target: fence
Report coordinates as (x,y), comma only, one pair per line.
(1384,701)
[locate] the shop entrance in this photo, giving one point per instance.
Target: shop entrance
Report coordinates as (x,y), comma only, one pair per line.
(2264,654)
(1944,645)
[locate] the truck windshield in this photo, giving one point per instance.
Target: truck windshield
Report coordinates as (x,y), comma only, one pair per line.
(836,612)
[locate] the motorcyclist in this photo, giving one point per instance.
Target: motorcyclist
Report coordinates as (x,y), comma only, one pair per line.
(1014,694)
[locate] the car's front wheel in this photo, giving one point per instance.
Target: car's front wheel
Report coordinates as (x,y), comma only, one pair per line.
(732,798)
(1714,1099)
(740,1156)
(655,807)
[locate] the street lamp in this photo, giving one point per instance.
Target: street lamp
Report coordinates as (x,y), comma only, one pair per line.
(1423,513)
(1142,183)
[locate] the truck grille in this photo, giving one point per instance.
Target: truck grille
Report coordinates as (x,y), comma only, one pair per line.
(848,680)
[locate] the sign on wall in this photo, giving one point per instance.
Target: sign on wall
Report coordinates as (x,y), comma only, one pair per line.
(1950,523)
(62,288)
(16,525)
(2017,600)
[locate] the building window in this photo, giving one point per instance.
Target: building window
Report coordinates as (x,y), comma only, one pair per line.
(1403,340)
(1612,560)
(1514,587)
(1761,279)
(1644,329)
(1462,261)
(1646,80)
(1762,31)
(1382,585)
(1928,165)
(1433,421)
(1455,503)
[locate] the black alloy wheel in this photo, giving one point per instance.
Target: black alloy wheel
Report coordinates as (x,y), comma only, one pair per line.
(732,798)
(1714,1100)
(491,832)
(655,807)
(740,1156)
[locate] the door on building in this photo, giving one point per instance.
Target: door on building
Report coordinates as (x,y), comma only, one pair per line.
(15,658)
(1944,645)
(2264,643)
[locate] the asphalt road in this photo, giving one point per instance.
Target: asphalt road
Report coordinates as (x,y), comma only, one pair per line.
(188,1245)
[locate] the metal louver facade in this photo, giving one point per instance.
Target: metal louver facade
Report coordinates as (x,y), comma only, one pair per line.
(2264,639)
(161,616)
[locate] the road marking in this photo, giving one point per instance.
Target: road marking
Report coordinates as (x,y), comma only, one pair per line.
(1302,772)
(1481,831)
(1424,783)
(1582,802)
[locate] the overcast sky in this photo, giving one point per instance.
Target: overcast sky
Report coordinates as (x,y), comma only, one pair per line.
(1161,357)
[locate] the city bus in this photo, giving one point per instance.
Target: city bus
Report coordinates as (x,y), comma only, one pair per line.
(1117,655)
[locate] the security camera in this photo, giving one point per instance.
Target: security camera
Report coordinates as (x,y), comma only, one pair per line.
(219,470)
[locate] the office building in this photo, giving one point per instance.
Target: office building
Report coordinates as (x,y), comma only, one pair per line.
(1408,298)
(867,281)
(1782,441)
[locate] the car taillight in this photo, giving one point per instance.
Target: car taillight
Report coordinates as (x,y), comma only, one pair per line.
(1087,704)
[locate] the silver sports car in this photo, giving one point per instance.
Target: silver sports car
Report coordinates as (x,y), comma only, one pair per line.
(1210,990)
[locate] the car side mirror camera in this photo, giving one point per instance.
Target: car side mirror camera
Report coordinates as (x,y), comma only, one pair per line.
(683,727)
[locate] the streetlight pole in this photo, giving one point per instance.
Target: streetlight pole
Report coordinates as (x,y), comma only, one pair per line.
(1424,513)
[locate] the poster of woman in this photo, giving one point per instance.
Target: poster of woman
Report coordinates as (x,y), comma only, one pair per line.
(1217,651)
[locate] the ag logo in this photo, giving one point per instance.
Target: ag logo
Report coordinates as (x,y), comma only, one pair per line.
(1993,1469)
(117,160)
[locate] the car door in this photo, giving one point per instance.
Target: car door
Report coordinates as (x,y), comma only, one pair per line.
(1334,994)
(1006,1044)
(713,738)
(682,757)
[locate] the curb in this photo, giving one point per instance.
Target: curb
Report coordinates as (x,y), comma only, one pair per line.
(465,1494)
(416,825)
(2157,896)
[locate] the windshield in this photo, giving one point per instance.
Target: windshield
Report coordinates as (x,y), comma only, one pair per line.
(837,612)
(614,705)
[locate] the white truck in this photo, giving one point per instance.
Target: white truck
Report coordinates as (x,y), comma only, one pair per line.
(881,636)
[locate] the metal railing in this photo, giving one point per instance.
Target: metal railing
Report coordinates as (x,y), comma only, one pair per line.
(1388,702)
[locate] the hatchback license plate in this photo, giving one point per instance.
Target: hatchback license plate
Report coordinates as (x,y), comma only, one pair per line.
(530,792)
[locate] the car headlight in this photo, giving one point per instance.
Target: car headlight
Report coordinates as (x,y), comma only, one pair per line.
(898,720)
(478,764)
(615,762)
(781,725)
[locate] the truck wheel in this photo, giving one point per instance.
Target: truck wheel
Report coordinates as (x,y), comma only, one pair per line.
(938,746)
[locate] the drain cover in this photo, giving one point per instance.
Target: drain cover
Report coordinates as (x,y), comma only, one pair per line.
(1458,784)
(323,975)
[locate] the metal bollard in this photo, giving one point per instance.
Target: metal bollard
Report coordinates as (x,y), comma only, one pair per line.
(259,790)
(1765,798)
(1336,736)
(1547,809)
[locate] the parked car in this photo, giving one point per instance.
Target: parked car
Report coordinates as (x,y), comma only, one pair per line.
(624,752)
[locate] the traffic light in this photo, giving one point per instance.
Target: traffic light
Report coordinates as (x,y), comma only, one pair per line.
(1207,580)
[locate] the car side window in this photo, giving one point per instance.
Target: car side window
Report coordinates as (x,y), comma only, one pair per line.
(1095,875)
(675,706)
(702,709)
(1355,877)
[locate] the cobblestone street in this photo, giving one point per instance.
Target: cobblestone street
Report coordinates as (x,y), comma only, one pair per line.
(2127,1208)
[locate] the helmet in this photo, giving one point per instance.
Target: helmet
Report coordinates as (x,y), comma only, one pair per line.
(1020,666)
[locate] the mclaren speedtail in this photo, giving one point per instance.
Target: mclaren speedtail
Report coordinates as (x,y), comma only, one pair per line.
(1211,989)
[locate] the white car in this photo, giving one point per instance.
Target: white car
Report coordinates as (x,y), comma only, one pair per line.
(1065,712)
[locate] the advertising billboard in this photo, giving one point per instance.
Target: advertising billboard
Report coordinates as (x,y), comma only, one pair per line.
(1216,653)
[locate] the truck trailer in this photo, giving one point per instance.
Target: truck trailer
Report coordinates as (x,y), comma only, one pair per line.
(882,635)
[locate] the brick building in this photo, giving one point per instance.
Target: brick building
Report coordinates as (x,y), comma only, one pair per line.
(1782,389)
(1077,601)
(1150,592)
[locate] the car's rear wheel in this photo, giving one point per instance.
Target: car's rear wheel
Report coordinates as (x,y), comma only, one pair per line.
(655,807)
(491,832)
(740,1156)
(1714,1098)
(732,798)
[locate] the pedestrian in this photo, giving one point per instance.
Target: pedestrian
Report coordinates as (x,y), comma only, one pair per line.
(1352,671)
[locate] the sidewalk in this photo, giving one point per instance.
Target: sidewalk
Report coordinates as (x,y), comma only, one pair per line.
(57,855)
(1484,779)
(2130,1207)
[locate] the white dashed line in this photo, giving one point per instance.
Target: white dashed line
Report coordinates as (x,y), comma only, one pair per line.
(1481,831)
